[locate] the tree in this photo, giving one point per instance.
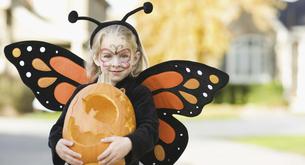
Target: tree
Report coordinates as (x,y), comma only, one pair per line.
(197,29)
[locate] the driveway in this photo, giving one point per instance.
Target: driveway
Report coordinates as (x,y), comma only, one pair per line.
(25,141)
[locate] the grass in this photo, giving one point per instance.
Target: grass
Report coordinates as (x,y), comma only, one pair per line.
(258,94)
(210,112)
(216,112)
(268,94)
(295,144)
(41,115)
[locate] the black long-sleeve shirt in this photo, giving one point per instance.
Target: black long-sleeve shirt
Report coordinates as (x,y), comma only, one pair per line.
(143,138)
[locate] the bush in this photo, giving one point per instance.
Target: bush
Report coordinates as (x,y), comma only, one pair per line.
(15,94)
(260,94)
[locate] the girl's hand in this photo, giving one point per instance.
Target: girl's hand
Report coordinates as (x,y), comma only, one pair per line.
(66,154)
(117,150)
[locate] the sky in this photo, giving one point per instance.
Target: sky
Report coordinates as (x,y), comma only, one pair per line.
(119,8)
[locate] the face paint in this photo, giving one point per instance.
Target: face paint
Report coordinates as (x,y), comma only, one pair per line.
(119,57)
(116,57)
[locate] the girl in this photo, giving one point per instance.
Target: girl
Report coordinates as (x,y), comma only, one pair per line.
(116,58)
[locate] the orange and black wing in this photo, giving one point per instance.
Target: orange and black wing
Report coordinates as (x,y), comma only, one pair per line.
(181,88)
(51,72)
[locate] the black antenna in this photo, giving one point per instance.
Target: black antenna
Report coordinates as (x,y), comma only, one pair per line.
(73,17)
(147,6)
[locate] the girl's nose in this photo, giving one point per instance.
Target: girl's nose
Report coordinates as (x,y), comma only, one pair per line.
(115,62)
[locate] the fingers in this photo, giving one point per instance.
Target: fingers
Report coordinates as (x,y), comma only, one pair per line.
(67,142)
(70,152)
(118,148)
(109,139)
(105,154)
(70,160)
(65,153)
(109,159)
(67,150)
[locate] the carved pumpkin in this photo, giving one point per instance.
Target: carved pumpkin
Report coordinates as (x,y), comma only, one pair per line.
(97,111)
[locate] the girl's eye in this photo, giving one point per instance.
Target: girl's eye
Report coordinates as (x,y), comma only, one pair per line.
(106,56)
(124,56)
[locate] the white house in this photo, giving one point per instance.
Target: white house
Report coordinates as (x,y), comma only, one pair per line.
(291,41)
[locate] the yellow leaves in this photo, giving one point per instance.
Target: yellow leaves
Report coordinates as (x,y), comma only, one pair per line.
(262,11)
(195,29)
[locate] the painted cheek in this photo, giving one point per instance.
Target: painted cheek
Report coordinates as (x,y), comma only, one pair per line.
(125,65)
(105,64)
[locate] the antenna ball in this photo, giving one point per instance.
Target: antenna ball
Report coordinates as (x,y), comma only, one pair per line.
(148,7)
(73,16)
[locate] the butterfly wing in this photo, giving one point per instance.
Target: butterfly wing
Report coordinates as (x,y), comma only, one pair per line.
(51,72)
(186,85)
(173,139)
(182,88)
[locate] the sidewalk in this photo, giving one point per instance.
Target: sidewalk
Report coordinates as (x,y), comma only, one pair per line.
(17,126)
(205,146)
(221,152)
(251,123)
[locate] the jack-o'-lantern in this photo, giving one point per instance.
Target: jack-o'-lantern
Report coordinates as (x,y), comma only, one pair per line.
(97,111)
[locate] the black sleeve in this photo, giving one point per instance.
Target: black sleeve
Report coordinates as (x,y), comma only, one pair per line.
(146,134)
(56,130)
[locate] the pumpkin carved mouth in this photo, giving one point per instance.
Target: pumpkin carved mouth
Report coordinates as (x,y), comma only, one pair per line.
(88,138)
(98,109)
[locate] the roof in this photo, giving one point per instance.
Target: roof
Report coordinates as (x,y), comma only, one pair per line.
(293,14)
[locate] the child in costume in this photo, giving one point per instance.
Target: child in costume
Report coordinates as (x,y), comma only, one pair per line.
(116,53)
(176,87)
(117,58)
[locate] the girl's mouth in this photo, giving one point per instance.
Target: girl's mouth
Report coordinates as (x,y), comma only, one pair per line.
(115,71)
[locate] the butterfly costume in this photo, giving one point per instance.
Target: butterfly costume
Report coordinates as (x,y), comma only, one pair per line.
(176,87)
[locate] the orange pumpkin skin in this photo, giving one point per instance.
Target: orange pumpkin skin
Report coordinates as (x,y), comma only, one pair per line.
(97,111)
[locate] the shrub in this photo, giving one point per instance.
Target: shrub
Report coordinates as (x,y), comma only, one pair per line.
(15,94)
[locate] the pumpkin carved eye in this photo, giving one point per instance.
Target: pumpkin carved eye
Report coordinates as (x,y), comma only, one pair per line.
(103,109)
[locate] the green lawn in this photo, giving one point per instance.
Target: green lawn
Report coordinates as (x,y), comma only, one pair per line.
(210,112)
(215,112)
(41,115)
(295,144)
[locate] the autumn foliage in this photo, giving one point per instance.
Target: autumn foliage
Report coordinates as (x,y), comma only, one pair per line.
(198,29)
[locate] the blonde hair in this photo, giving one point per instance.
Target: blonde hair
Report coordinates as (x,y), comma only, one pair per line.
(93,71)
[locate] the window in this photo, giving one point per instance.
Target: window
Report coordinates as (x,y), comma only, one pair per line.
(250,60)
